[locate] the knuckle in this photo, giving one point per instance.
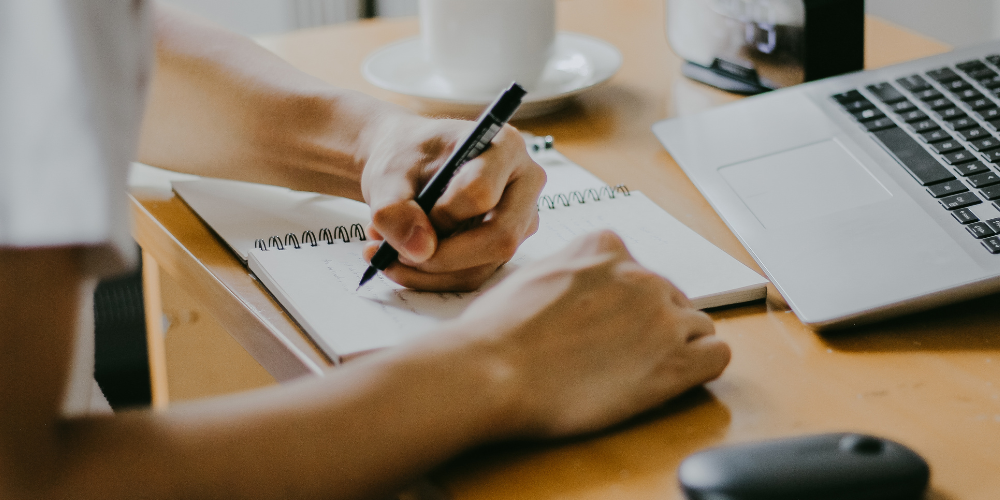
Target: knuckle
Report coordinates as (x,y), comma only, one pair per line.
(384,215)
(509,135)
(532,225)
(703,324)
(506,245)
(535,174)
(609,241)
(478,195)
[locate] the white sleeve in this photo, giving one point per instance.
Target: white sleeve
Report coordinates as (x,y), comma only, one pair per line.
(72,85)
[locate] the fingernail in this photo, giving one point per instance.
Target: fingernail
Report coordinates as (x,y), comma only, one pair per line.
(419,246)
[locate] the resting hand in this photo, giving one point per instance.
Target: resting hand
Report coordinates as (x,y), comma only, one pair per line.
(476,226)
(587,338)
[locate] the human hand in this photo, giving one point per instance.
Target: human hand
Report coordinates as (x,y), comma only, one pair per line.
(476,226)
(588,337)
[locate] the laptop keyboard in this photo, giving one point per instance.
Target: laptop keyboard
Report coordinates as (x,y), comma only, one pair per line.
(942,126)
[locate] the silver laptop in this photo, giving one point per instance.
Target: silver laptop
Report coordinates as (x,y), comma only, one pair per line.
(862,196)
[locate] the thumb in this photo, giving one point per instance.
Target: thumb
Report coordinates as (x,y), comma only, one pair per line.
(406,227)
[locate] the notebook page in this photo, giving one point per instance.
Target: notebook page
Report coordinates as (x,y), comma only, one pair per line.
(317,284)
(242,212)
(658,241)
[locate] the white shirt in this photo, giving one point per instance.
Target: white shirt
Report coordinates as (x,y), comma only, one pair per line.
(72,84)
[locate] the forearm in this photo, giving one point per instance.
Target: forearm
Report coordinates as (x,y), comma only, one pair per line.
(363,432)
(222,106)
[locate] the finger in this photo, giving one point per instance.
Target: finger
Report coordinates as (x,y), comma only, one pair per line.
(406,227)
(410,277)
(481,182)
(396,217)
(496,239)
(713,357)
(465,281)
(701,326)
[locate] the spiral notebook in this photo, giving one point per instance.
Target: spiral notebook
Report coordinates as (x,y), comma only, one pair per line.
(313,270)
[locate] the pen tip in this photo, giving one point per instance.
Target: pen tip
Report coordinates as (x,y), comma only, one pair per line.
(369,274)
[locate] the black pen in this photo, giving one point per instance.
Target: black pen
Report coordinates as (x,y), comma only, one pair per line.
(489,124)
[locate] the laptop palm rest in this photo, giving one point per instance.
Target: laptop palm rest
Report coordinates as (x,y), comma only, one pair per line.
(801,184)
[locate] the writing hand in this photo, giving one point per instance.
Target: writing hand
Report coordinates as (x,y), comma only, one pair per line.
(475,227)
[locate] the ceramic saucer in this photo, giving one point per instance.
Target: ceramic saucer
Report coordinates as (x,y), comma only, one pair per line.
(579,62)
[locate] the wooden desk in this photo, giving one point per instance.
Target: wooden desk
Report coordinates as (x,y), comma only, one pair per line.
(931,380)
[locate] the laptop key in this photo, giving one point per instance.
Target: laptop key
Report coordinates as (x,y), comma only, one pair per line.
(943,189)
(879,124)
(940,103)
(958,85)
(991,82)
(984,179)
(913,157)
(973,168)
(971,134)
(868,114)
(849,96)
(993,124)
(943,75)
(988,114)
(992,244)
(991,192)
(902,106)
(951,114)
(971,65)
(928,95)
(913,83)
(982,74)
(970,95)
(985,144)
(981,104)
(993,59)
(913,116)
(961,123)
(886,92)
(858,105)
(965,216)
(945,147)
(994,224)
(936,136)
(957,157)
(960,200)
(924,126)
(992,156)
(980,230)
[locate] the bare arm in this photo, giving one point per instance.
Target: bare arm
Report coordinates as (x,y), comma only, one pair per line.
(571,344)
(222,106)
(365,430)
(219,105)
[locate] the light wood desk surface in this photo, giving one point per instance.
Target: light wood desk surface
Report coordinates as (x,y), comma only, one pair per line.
(931,380)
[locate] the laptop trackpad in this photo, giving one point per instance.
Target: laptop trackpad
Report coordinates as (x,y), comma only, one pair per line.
(804,183)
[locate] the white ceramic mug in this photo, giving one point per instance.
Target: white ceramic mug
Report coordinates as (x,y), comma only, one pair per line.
(480,46)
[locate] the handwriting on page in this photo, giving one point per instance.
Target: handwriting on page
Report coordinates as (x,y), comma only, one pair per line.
(393,297)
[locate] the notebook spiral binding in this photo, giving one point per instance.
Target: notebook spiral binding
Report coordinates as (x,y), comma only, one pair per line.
(581,197)
(292,241)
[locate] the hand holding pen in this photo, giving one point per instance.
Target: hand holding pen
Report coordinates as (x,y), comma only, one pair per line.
(499,187)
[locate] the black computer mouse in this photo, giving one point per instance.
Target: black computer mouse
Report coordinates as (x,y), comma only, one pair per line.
(817,467)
